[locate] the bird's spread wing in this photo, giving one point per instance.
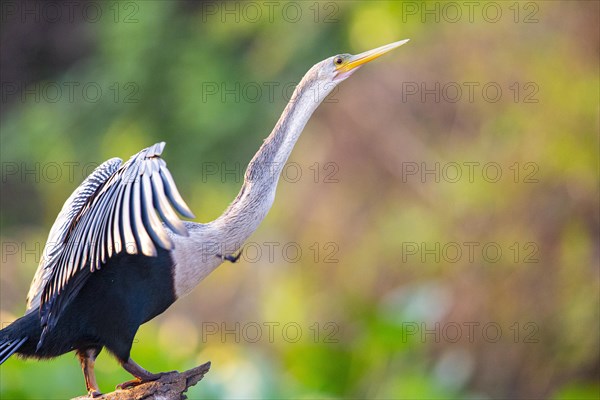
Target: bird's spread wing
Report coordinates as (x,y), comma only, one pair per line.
(62,226)
(118,208)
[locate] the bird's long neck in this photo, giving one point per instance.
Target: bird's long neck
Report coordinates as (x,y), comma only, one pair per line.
(196,258)
(256,196)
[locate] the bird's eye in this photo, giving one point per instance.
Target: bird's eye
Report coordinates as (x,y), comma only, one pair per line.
(338,60)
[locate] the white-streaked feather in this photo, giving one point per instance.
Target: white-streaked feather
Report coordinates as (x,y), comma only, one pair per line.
(112,211)
(62,227)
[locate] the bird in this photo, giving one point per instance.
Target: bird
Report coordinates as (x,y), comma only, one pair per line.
(119,254)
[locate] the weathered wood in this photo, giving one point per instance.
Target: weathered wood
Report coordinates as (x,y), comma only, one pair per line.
(171,386)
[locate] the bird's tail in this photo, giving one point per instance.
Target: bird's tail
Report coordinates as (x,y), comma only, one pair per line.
(14,336)
(9,347)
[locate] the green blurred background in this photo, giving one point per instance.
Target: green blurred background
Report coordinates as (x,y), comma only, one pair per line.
(399,290)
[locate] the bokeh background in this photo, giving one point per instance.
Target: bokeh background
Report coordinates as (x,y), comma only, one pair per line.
(435,235)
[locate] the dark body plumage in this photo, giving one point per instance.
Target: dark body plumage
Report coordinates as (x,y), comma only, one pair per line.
(126,292)
(107,267)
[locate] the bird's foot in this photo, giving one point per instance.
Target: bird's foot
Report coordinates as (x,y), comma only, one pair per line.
(139,381)
(94,393)
(230,258)
(129,384)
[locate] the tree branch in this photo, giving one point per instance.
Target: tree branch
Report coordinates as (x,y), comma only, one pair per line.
(171,386)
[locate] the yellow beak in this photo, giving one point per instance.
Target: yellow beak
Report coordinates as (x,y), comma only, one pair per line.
(363,58)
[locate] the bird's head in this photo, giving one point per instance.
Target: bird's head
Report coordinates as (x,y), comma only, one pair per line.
(327,74)
(344,65)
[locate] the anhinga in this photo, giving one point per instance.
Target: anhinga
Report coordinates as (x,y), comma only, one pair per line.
(118,255)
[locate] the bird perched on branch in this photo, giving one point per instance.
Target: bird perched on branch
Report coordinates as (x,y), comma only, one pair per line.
(118,255)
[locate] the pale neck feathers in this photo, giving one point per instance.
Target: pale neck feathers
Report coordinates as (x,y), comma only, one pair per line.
(197,256)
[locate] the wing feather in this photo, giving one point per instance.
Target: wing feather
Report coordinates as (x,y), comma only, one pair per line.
(163,208)
(107,243)
(89,243)
(173,194)
(128,237)
(142,238)
(117,209)
(98,240)
(63,226)
(117,225)
(151,221)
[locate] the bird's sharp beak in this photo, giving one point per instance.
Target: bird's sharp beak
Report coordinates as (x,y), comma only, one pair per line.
(356,61)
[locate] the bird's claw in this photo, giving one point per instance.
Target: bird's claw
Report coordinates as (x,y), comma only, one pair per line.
(138,381)
(129,384)
(94,393)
